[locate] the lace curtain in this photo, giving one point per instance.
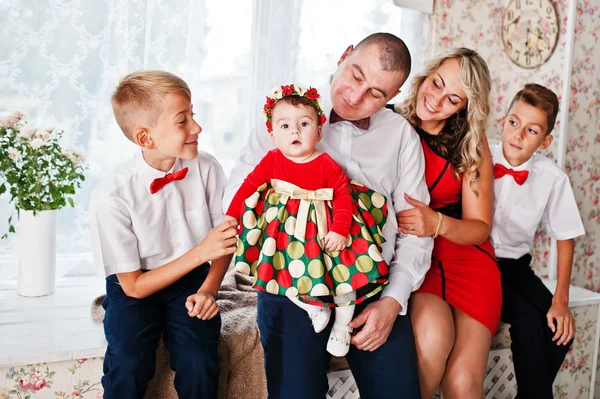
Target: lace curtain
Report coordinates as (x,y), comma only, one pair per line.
(61,59)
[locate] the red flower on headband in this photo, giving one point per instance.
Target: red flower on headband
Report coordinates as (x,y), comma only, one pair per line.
(287,90)
(323,119)
(269,103)
(269,126)
(312,93)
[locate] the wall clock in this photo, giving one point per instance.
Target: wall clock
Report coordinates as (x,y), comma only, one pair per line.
(529,31)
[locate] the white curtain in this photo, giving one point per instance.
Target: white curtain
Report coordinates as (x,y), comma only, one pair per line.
(61,59)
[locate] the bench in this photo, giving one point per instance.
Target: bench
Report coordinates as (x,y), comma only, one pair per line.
(56,337)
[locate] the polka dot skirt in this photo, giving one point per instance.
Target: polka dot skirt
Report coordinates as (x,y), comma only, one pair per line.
(284,265)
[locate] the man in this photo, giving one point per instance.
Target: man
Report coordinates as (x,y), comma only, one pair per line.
(379,149)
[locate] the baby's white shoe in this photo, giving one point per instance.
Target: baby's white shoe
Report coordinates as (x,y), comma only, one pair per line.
(319,316)
(339,340)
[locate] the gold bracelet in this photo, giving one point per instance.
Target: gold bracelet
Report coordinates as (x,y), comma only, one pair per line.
(439,226)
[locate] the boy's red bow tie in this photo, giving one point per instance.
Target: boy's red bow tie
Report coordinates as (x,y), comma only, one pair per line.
(519,175)
(361,123)
(160,182)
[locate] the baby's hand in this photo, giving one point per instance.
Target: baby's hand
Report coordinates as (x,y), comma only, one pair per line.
(334,242)
(202,305)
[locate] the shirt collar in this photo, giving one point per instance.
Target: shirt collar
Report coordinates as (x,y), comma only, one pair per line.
(498,158)
(147,173)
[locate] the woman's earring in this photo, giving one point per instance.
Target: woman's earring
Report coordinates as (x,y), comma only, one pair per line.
(457,123)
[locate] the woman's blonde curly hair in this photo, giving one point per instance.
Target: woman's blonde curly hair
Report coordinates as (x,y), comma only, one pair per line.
(468,136)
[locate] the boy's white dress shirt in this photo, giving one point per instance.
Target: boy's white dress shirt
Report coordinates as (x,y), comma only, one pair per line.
(546,195)
(133,229)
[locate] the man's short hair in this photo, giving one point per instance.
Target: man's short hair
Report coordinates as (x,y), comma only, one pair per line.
(394,53)
(139,98)
(541,98)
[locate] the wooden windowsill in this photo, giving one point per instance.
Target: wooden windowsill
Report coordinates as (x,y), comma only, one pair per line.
(51,328)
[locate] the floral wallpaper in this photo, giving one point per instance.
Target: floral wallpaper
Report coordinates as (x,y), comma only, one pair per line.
(477,24)
(73,379)
(582,161)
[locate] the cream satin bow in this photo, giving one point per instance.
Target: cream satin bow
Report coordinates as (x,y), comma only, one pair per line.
(306,197)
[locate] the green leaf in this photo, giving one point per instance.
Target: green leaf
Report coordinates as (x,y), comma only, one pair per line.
(11,229)
(71,202)
(2,188)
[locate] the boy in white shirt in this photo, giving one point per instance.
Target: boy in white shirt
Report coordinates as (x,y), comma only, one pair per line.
(154,227)
(528,188)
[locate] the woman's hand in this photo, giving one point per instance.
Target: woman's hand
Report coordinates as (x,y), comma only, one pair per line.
(420,221)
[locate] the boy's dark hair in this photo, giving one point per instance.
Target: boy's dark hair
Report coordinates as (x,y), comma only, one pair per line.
(296,100)
(394,53)
(541,98)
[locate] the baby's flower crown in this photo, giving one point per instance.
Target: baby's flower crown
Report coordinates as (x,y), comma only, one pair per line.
(292,90)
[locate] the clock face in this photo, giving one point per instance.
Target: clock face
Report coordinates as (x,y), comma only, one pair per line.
(529,31)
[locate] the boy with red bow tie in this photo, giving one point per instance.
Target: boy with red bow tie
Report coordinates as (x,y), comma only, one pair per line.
(155,227)
(528,188)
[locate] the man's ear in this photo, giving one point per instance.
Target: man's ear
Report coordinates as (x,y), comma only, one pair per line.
(346,54)
(547,141)
(141,136)
(393,95)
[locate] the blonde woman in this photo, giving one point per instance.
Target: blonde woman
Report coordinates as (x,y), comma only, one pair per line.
(456,311)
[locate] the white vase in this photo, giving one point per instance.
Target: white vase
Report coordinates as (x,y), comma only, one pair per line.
(37,253)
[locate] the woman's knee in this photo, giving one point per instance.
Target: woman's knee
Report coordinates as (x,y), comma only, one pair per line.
(433,328)
(462,382)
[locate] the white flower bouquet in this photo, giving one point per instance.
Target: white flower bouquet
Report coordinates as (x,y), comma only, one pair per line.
(34,168)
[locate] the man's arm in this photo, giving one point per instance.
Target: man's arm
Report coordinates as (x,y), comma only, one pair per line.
(258,144)
(412,255)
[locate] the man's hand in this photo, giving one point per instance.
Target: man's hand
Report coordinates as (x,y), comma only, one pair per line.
(564,330)
(202,305)
(334,242)
(219,241)
(377,321)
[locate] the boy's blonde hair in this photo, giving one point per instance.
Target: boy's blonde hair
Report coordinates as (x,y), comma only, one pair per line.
(139,98)
(541,98)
